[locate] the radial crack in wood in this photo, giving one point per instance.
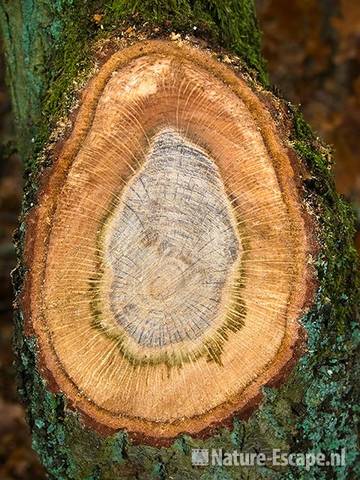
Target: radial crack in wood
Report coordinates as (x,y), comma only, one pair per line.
(168,252)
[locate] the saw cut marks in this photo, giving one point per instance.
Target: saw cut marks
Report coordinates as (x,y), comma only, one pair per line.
(168,251)
(170,247)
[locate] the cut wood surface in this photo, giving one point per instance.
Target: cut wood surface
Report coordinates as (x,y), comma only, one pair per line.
(186,277)
(168,253)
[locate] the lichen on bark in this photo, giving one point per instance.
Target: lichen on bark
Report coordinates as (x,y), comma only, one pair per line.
(47,44)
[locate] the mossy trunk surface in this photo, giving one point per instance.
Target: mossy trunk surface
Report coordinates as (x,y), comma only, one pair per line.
(48,48)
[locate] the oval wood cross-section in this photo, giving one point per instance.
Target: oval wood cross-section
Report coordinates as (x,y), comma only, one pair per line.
(168,250)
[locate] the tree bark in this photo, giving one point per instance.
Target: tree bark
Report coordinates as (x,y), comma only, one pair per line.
(49,49)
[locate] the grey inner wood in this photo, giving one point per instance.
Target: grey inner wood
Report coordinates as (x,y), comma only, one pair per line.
(172,245)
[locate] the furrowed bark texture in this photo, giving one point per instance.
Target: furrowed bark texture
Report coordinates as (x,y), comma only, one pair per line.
(48,51)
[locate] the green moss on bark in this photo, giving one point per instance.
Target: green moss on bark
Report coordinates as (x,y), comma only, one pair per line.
(231,23)
(47,43)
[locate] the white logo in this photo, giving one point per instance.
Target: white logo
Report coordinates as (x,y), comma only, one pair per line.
(200,457)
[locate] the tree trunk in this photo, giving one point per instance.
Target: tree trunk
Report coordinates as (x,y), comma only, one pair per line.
(63,61)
